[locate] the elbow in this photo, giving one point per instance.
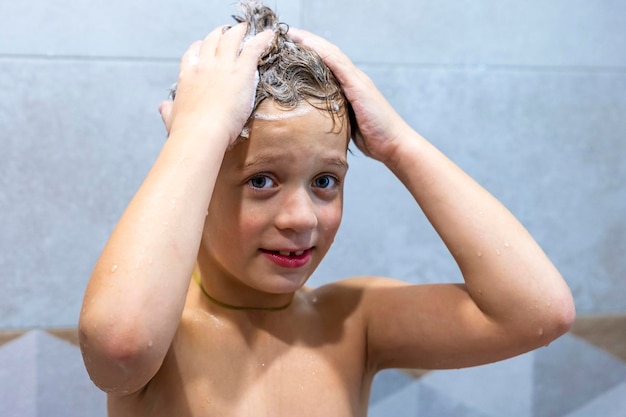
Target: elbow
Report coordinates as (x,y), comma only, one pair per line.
(117,341)
(114,358)
(546,316)
(559,317)
(115,348)
(565,315)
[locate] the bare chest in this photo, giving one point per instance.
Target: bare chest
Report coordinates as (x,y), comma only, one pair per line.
(218,371)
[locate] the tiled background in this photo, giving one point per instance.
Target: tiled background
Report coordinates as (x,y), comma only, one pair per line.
(528,97)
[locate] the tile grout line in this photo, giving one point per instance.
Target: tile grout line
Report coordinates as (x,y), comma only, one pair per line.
(69,334)
(87,58)
(476,67)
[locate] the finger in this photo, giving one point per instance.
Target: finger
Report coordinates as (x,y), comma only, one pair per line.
(209,44)
(349,75)
(231,40)
(309,39)
(299,35)
(192,56)
(257,46)
(165,109)
(332,56)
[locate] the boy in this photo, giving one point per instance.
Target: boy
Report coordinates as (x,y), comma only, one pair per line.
(246,199)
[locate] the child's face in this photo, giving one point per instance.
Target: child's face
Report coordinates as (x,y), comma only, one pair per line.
(277,204)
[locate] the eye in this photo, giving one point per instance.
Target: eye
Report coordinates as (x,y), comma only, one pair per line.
(325,181)
(261,182)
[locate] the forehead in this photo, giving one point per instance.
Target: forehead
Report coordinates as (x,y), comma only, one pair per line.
(297,135)
(269,110)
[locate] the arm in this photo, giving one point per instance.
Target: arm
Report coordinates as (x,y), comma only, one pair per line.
(135,296)
(513,299)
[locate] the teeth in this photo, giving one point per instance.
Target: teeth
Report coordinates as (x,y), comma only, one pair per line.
(287,253)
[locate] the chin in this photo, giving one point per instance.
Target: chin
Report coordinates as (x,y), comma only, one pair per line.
(286,284)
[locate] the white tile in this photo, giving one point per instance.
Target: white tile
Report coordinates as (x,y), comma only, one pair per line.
(436,403)
(611,403)
(570,373)
(18,377)
(500,389)
(401,403)
(41,375)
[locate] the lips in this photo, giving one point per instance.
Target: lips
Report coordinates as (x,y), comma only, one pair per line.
(289,258)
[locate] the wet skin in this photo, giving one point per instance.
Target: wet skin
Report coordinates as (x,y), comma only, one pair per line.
(274,213)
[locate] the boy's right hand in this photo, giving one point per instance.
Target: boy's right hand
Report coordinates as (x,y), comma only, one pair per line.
(217,83)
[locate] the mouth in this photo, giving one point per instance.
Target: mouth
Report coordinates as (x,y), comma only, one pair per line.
(296,253)
(289,258)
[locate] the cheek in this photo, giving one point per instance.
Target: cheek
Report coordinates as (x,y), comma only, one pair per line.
(330,217)
(253,218)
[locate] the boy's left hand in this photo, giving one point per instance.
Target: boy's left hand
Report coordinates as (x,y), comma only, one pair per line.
(379,130)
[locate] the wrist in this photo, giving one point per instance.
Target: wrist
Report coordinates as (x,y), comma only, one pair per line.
(403,147)
(201,131)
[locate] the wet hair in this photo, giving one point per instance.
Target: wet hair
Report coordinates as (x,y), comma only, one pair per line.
(290,73)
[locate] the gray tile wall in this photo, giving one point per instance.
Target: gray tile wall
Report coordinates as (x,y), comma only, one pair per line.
(528,97)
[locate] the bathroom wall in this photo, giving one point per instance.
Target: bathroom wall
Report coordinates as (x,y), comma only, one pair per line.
(527,97)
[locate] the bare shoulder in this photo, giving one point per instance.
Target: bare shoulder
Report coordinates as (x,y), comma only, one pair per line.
(354,290)
(356,285)
(353,297)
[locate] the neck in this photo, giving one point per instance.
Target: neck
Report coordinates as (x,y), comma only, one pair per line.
(233,306)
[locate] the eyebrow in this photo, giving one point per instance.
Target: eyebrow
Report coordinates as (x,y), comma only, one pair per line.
(270,159)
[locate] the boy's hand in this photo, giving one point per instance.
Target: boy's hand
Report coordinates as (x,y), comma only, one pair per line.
(379,129)
(217,83)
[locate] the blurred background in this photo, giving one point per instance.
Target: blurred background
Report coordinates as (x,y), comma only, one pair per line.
(528,97)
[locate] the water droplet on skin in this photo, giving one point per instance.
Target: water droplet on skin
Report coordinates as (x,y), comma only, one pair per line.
(479,254)
(150,344)
(540,332)
(114,268)
(498,252)
(173,203)
(507,244)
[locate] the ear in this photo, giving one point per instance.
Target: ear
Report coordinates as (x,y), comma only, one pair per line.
(165,108)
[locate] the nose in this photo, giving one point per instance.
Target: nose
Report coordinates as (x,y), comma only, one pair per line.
(297,212)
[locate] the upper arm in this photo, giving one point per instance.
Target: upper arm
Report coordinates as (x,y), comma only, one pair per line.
(436,326)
